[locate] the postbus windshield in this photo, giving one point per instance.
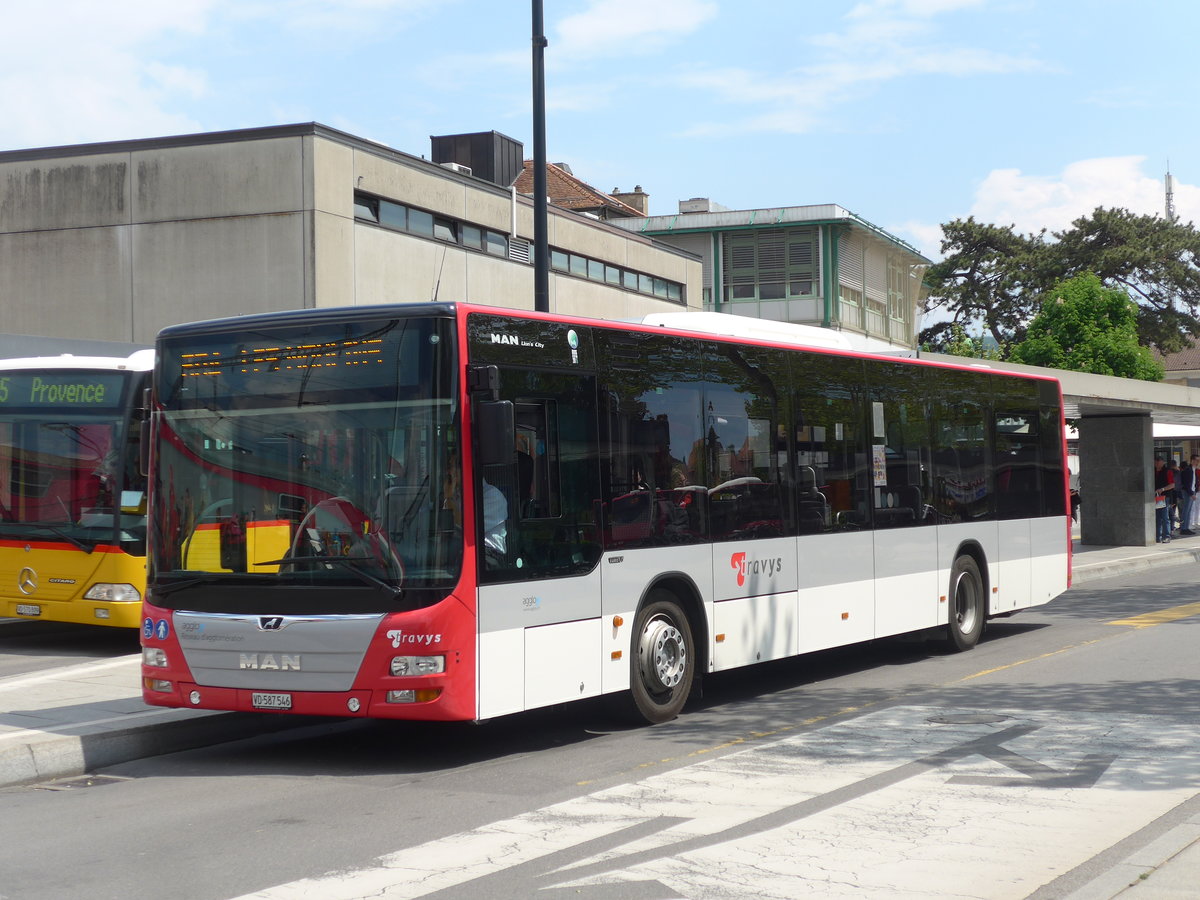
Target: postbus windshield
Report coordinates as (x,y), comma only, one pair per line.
(311,455)
(68,469)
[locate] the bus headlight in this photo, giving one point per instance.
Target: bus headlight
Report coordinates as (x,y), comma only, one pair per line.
(426,695)
(418,665)
(154,656)
(113,593)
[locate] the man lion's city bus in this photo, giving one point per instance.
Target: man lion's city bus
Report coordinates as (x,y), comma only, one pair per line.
(72,494)
(450,512)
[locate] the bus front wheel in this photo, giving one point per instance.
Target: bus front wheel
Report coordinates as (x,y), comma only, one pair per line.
(663,663)
(968,605)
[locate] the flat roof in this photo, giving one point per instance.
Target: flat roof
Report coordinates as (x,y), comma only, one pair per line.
(772,217)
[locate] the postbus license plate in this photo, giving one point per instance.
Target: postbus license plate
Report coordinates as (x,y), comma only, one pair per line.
(28,609)
(270,701)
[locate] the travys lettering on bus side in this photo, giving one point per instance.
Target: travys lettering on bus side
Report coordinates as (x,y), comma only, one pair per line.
(746,566)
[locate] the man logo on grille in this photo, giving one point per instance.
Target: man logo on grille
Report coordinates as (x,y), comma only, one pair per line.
(270,623)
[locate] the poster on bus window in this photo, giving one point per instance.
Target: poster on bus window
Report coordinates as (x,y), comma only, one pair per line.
(879,464)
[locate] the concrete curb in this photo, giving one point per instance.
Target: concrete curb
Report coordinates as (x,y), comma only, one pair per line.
(47,756)
(1083,572)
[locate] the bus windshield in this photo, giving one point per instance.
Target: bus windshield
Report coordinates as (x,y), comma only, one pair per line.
(310,455)
(68,473)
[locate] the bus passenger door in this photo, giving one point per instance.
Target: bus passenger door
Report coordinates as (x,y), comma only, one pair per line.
(538,549)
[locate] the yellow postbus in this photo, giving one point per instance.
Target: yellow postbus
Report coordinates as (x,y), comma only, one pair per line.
(72,493)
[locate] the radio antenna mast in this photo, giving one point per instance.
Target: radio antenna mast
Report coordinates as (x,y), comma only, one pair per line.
(1170,194)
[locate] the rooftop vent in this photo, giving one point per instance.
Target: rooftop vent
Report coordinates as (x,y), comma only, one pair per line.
(485,154)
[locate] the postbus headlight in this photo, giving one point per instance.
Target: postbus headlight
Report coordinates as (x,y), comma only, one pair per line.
(154,656)
(113,593)
(418,665)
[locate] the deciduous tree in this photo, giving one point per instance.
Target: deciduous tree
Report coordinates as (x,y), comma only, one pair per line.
(1085,327)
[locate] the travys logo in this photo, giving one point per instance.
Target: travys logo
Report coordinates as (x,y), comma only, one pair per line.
(748,566)
(399,637)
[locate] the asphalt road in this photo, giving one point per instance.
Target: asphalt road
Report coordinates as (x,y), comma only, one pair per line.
(28,647)
(1015,770)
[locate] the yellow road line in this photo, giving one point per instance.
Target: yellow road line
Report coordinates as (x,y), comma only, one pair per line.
(1173,614)
(1022,662)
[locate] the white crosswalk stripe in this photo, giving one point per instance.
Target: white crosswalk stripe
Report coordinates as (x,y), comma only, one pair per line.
(910,801)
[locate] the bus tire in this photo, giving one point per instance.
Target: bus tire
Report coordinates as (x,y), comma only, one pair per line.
(663,661)
(968,605)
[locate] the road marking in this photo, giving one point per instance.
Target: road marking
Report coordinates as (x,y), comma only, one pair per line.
(1022,662)
(907,801)
(1161,617)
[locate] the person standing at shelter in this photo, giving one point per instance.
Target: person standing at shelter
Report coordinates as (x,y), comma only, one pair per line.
(1162,513)
(1185,490)
(1173,495)
(1192,520)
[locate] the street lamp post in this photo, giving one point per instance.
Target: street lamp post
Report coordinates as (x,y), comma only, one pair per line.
(541,248)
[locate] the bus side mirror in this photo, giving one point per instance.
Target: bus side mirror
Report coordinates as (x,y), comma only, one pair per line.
(496,433)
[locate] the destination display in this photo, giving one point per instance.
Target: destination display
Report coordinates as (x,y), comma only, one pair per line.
(61,390)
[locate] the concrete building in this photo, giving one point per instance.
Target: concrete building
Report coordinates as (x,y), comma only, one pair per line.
(811,265)
(113,241)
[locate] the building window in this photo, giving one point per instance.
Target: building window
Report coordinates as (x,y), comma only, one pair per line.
(497,244)
(398,217)
(366,208)
(393,215)
(897,282)
(420,222)
(770,264)
(445,230)
(606,273)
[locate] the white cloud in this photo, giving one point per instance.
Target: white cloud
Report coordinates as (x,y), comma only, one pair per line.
(626,27)
(1034,202)
(882,41)
(1030,203)
(104,72)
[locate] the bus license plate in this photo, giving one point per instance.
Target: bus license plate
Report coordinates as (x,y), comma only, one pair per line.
(28,609)
(270,701)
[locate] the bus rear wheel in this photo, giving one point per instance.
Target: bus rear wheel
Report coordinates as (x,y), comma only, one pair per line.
(663,663)
(968,606)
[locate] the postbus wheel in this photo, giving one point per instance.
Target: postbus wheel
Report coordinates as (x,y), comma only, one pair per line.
(664,661)
(968,606)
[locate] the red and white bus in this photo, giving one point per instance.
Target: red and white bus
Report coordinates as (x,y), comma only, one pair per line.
(452,512)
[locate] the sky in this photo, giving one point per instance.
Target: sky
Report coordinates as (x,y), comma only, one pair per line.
(908,113)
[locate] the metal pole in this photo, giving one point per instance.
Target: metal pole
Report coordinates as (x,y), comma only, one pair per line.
(541,247)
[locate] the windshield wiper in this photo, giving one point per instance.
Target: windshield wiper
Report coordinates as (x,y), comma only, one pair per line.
(346,561)
(163,590)
(54,529)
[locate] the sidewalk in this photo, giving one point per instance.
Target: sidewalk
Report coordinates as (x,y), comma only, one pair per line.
(70,721)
